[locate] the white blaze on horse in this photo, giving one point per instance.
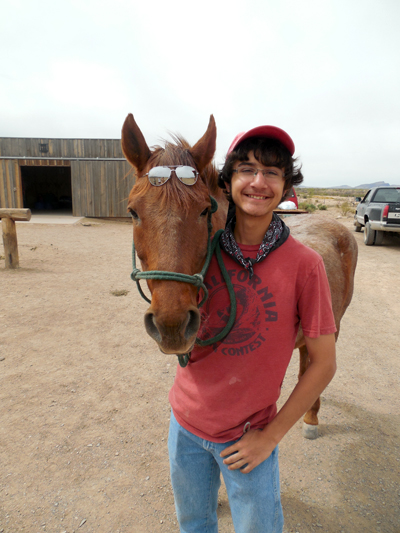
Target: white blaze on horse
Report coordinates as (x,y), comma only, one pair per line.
(171,233)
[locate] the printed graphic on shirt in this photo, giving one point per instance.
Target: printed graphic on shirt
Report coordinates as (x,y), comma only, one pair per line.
(256,309)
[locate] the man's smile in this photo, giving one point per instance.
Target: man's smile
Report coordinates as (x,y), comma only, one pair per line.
(257,197)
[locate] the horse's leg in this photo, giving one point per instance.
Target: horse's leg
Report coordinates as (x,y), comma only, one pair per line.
(310,420)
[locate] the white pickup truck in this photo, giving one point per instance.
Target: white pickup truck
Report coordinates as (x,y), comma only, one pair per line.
(378,212)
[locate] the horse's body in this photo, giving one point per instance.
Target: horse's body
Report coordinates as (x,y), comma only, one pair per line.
(170,234)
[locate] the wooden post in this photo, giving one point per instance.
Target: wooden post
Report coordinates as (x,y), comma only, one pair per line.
(10,243)
(8,218)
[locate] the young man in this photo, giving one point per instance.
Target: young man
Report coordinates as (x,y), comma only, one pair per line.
(224,415)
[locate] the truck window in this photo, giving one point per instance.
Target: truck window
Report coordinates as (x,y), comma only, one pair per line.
(389,196)
(367,197)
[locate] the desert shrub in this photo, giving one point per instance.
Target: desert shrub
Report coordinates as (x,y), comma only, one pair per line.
(345,208)
(332,192)
(322,207)
(308,207)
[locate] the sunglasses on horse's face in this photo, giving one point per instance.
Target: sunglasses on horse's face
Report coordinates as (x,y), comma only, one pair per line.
(159,175)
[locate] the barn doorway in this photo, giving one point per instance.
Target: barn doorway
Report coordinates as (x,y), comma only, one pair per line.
(47,189)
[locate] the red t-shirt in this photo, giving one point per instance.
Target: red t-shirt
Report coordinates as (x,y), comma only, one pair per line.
(239,379)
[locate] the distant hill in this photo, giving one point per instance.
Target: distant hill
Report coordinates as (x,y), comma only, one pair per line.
(362,186)
(365,185)
(375,184)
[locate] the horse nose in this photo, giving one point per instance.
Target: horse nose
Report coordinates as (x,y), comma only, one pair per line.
(174,334)
(193,324)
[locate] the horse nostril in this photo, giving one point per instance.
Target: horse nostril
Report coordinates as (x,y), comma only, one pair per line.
(166,333)
(193,323)
(151,327)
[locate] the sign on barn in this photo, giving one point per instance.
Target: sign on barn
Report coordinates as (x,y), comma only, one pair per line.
(86,177)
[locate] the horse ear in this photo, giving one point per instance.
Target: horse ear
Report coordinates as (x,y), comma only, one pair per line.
(203,151)
(133,144)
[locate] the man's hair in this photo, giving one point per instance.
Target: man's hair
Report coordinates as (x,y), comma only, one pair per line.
(269,152)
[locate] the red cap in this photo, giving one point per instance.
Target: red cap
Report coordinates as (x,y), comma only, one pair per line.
(271,132)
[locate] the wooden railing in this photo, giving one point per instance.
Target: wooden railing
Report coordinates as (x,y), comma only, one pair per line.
(8,218)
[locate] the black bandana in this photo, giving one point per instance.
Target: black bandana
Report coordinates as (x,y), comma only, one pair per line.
(276,234)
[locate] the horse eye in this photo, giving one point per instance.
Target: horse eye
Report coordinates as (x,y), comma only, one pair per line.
(204,212)
(133,213)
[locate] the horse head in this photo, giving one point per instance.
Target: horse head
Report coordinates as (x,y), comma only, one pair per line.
(170,228)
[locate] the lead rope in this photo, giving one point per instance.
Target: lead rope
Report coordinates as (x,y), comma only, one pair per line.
(197,280)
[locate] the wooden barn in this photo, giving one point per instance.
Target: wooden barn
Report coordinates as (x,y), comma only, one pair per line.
(85,177)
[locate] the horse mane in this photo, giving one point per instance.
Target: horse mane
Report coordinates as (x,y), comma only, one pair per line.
(177,153)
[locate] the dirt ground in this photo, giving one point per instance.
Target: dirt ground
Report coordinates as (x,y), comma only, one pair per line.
(84,409)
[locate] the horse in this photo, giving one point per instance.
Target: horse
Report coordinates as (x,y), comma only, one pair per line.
(171,232)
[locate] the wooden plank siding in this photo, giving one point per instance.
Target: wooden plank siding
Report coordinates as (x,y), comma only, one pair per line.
(10,184)
(18,186)
(43,162)
(67,148)
(100,176)
(101,188)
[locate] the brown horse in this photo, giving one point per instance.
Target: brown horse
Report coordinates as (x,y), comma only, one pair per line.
(170,234)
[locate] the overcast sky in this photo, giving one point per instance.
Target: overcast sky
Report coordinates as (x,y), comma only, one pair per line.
(327,72)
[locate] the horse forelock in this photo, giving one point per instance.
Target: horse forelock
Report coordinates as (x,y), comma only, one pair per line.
(172,154)
(175,192)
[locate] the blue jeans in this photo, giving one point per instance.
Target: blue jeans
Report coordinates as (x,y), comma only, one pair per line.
(254,498)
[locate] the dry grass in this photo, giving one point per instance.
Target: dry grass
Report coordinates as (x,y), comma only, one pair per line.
(338,202)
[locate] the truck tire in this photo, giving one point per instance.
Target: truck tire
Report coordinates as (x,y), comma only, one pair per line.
(369,234)
(379,237)
(357,227)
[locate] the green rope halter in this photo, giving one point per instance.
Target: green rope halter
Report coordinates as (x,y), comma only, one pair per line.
(197,280)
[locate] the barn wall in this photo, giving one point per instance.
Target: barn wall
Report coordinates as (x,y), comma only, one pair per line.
(11,194)
(66,148)
(100,188)
(10,184)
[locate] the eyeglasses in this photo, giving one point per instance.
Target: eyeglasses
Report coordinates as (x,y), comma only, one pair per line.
(249,172)
(159,175)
